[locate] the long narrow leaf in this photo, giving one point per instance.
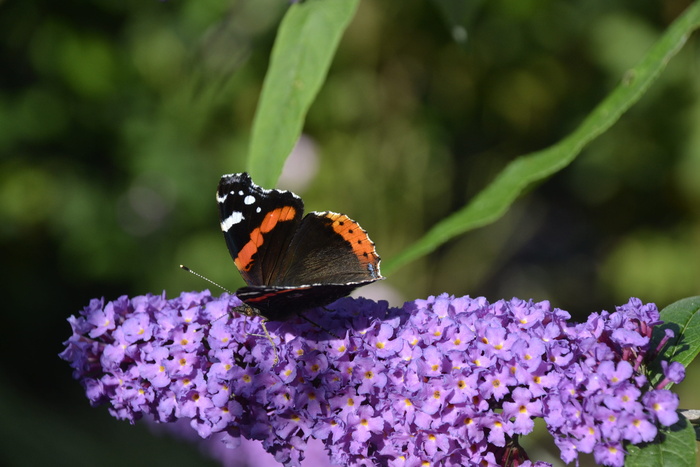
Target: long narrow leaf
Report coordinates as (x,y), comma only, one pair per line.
(494,200)
(304,48)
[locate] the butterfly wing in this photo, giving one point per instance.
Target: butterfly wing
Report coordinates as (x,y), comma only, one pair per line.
(279,303)
(258,226)
(329,248)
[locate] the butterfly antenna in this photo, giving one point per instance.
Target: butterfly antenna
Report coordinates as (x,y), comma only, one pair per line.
(182,266)
(249,312)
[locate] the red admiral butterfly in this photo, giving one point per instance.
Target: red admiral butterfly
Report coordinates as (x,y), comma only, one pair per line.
(291,264)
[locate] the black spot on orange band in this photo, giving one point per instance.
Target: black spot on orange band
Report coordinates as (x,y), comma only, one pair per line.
(352,233)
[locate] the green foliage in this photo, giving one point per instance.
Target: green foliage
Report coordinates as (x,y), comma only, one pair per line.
(489,205)
(305,45)
(683,318)
(676,447)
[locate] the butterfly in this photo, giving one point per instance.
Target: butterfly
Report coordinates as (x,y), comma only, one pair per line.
(291,263)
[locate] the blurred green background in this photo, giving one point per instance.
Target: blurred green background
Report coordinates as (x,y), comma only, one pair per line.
(117,119)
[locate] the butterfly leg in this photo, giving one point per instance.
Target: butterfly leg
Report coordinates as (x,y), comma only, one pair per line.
(246,310)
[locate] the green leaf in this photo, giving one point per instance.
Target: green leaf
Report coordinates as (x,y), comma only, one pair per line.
(495,199)
(306,42)
(677,448)
(683,318)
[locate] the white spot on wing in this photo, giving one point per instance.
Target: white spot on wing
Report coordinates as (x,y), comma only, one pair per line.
(250,199)
(230,221)
(222,198)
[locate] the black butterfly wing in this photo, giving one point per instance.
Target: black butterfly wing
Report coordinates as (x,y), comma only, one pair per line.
(329,248)
(279,303)
(258,226)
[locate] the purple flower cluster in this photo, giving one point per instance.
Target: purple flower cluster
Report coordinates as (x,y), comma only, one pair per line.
(603,398)
(443,380)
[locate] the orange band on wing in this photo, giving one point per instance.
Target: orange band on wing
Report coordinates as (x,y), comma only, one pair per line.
(286,213)
(352,233)
(244,259)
